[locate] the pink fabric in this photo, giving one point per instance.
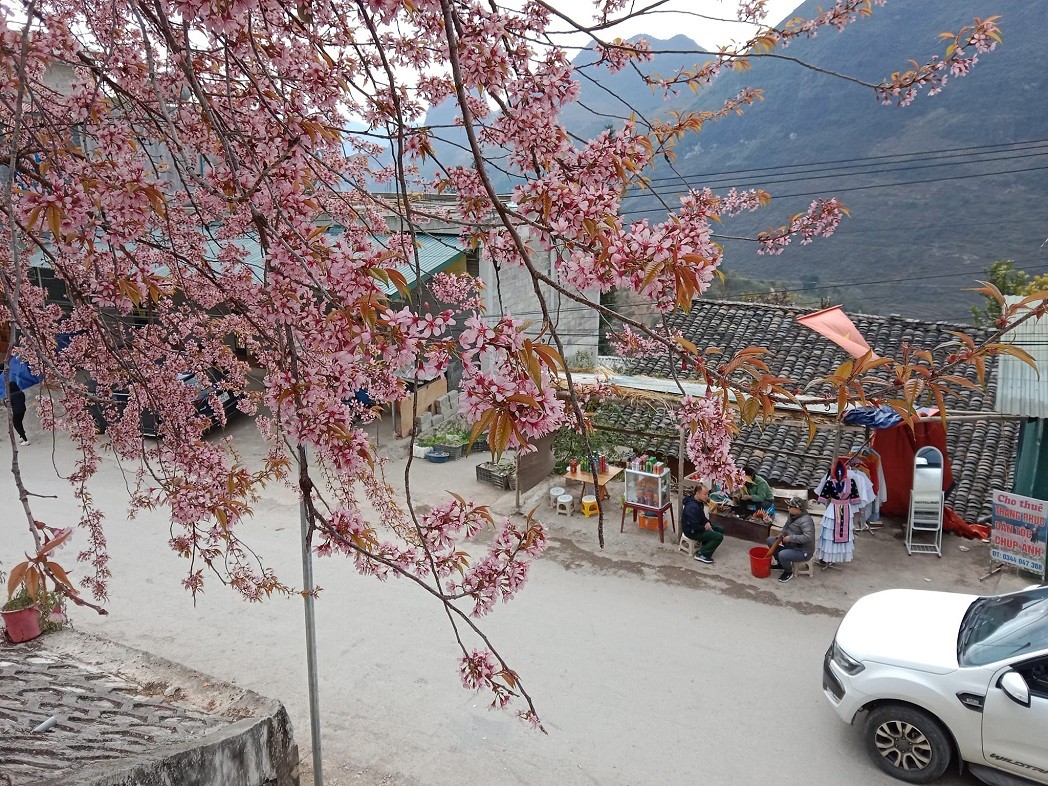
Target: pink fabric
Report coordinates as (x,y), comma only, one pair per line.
(834,324)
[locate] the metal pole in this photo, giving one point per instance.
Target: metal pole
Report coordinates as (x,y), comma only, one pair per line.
(311,645)
(680,478)
(516,481)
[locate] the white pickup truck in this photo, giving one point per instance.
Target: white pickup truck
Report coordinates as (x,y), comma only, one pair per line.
(944,677)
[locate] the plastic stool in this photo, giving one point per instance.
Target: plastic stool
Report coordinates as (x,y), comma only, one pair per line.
(554,494)
(565,504)
(806,568)
(589,506)
(688,545)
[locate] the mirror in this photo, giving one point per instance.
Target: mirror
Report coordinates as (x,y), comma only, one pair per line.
(932,456)
(1015,688)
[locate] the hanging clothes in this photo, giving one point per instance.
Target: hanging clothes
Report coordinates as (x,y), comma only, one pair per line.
(840,492)
(870,459)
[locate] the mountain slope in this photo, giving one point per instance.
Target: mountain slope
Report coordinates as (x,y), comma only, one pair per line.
(939,221)
(930,207)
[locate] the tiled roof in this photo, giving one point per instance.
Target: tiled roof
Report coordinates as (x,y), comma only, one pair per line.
(982,453)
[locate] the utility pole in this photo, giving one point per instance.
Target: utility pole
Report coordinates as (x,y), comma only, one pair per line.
(311,634)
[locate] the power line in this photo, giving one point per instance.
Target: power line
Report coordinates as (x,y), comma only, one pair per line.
(866,187)
(787,178)
(919,155)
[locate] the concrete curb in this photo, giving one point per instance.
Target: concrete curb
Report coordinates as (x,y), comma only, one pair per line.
(256,748)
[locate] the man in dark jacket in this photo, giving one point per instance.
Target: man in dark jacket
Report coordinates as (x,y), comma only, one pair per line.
(798,538)
(696,526)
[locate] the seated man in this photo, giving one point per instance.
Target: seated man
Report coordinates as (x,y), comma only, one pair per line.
(798,539)
(756,496)
(696,526)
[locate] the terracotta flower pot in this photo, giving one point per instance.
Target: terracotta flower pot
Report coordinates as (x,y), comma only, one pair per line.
(23,624)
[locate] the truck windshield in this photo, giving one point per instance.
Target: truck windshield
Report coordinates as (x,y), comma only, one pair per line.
(999,627)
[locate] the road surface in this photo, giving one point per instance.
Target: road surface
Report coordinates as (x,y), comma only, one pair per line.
(642,674)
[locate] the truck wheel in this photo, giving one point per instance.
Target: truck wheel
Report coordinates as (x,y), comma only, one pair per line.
(907,743)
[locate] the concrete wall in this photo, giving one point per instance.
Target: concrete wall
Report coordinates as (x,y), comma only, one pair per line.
(577,324)
(256,747)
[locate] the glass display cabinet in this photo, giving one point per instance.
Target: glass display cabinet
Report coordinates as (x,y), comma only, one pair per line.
(648,489)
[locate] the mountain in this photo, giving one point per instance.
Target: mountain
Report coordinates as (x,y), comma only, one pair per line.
(925,223)
(937,190)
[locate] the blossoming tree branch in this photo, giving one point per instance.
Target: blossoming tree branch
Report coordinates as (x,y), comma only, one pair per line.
(145,140)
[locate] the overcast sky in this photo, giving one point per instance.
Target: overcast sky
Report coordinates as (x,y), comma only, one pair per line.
(697,19)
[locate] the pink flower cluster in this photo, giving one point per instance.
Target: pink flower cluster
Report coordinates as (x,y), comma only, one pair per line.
(821,219)
(902,87)
(628,344)
(841,14)
(753,11)
(478,669)
(458,289)
(710,428)
(619,53)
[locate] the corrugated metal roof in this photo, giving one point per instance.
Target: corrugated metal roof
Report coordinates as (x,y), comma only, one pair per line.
(435,254)
(1019,389)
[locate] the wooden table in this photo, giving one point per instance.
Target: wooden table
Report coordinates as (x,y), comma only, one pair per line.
(660,512)
(603,478)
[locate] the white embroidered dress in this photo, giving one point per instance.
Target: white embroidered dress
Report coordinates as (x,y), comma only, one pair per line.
(859,495)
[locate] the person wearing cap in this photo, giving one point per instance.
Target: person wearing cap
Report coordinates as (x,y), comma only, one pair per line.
(755,496)
(798,539)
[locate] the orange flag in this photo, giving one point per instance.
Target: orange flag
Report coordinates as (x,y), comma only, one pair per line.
(834,324)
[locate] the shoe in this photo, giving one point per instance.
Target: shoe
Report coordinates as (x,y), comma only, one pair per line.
(23,442)
(786,576)
(776,566)
(704,559)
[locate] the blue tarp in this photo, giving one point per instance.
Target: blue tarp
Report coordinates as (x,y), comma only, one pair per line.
(874,417)
(20,375)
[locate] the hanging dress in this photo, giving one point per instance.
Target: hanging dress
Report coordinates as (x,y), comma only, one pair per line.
(840,493)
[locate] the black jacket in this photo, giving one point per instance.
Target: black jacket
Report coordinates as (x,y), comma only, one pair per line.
(693,518)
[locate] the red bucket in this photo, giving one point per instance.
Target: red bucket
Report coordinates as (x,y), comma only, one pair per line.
(760,562)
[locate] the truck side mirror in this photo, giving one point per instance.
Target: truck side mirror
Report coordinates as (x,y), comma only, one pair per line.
(1015,688)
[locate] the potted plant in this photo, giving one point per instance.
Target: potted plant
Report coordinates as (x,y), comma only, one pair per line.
(503,474)
(32,607)
(452,441)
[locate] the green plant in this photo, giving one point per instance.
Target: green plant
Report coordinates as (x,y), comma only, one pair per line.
(52,616)
(569,444)
(453,435)
(581,361)
(27,584)
(20,600)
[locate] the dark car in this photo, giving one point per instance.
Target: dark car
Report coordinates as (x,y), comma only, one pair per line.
(206,387)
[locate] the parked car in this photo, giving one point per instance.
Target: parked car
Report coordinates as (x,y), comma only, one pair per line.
(944,677)
(210,384)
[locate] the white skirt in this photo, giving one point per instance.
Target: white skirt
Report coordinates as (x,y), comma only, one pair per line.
(835,552)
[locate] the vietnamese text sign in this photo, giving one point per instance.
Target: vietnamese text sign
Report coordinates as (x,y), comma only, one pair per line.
(1020,534)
